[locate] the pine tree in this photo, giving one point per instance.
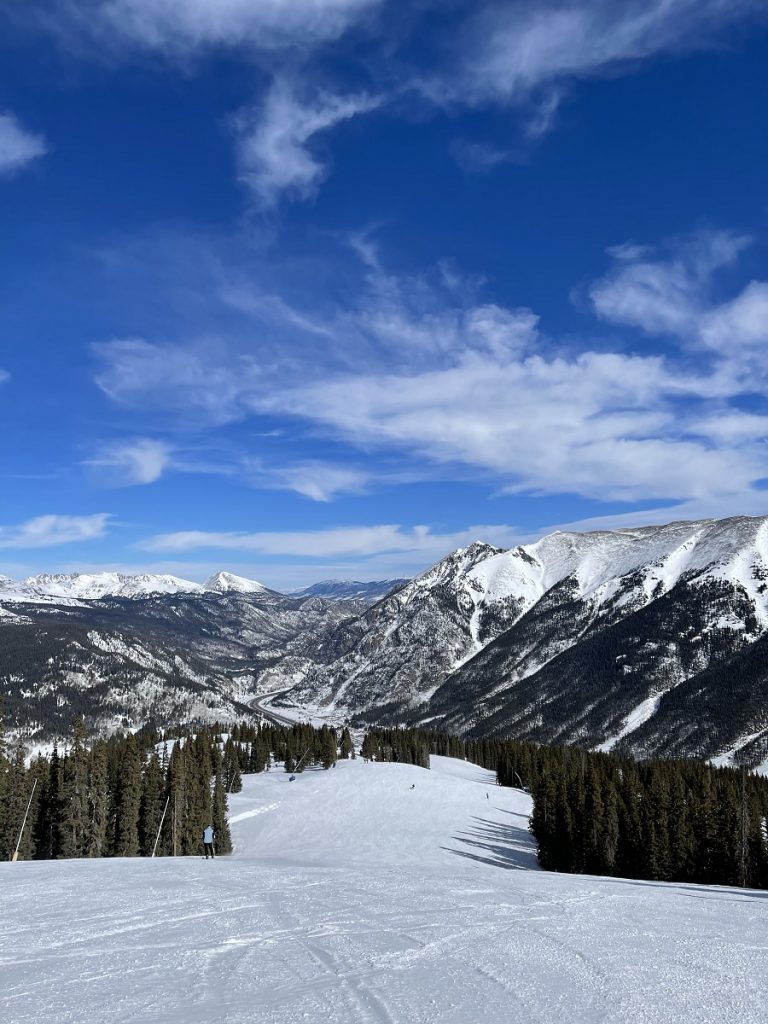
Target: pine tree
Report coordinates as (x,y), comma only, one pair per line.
(73,807)
(47,845)
(177,790)
(328,747)
(98,803)
(152,804)
(219,817)
(347,747)
(128,801)
(232,779)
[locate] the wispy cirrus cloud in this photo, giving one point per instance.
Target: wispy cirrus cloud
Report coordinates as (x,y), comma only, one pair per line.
(351,541)
(183,27)
(316,479)
(526,53)
(522,55)
(18,146)
(667,289)
(52,530)
(670,290)
(140,461)
(275,139)
(444,379)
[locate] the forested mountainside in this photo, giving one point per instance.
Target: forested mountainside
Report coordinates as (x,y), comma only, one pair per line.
(154,660)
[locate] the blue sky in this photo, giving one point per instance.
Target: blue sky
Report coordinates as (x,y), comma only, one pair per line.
(312,288)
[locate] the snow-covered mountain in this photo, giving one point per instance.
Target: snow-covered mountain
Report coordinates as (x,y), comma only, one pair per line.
(227,582)
(351,590)
(47,588)
(649,640)
(158,657)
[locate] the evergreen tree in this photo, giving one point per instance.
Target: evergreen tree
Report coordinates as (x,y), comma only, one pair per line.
(347,747)
(328,747)
(47,845)
(98,802)
(219,817)
(128,801)
(73,793)
(152,803)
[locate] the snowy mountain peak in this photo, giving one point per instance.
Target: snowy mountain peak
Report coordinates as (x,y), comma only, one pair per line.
(77,586)
(227,582)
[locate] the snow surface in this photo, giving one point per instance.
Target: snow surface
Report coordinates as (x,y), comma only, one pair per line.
(638,716)
(353,898)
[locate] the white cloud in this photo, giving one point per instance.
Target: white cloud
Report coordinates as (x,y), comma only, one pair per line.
(18,146)
(50,530)
(742,323)
(515,53)
(179,27)
(434,375)
(142,461)
(671,291)
(274,152)
(320,481)
(599,425)
(664,292)
(203,380)
(347,542)
(4,376)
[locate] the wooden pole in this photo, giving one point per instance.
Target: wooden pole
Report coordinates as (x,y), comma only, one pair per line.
(160,826)
(15,856)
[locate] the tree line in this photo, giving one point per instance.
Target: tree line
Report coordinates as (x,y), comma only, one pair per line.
(144,793)
(666,820)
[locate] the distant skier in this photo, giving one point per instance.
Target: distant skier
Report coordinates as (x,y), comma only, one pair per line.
(209,837)
(413,786)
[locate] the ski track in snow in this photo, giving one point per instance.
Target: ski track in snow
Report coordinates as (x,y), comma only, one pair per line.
(353,898)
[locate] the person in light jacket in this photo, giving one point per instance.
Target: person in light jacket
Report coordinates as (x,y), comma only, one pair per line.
(208,839)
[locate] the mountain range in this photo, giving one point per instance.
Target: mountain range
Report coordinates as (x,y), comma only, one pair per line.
(59,588)
(645,641)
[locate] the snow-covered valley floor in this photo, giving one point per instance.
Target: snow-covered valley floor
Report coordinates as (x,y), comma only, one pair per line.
(352,897)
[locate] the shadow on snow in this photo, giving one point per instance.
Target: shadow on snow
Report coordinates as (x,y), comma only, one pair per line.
(501,846)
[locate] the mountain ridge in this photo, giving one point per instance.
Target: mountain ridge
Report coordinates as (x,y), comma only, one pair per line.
(629,640)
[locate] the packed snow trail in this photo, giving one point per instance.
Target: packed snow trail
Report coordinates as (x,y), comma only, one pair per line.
(353,898)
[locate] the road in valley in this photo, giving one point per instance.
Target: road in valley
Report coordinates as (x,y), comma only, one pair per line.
(258,705)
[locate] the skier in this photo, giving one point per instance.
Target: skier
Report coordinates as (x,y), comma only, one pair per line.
(209,837)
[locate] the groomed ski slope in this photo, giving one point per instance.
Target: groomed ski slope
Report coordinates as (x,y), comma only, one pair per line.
(353,898)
